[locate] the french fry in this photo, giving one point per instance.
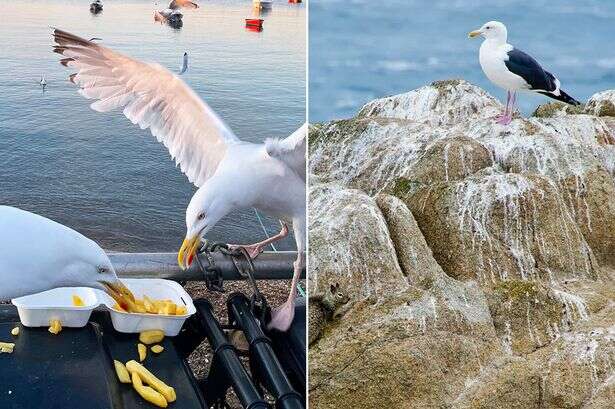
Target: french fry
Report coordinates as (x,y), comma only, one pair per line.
(149,305)
(181,310)
(142,349)
(7,347)
(157,349)
(77,301)
(55,326)
(170,308)
(121,371)
(138,308)
(15,331)
(151,337)
(148,393)
(149,378)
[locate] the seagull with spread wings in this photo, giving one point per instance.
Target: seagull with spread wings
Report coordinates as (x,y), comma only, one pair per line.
(230,174)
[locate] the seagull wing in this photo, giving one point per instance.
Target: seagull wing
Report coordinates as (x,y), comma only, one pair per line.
(290,150)
(151,97)
(528,68)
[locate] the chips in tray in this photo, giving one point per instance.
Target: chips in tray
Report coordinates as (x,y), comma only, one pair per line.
(151,306)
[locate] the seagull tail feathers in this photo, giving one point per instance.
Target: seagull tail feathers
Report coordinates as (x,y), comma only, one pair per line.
(562,97)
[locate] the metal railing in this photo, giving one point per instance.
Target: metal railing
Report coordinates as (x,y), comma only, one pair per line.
(268,265)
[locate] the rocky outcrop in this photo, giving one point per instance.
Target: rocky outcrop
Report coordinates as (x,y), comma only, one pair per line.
(479,258)
(602,104)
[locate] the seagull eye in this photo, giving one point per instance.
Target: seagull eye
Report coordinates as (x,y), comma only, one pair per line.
(201,216)
(487,28)
(102,270)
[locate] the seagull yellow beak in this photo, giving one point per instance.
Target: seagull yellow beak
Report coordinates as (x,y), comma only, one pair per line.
(188,251)
(474,33)
(120,293)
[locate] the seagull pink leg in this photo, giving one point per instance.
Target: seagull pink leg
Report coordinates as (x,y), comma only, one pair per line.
(508,118)
(282,316)
(504,117)
(255,249)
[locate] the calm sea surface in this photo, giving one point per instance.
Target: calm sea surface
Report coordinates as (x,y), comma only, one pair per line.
(364,49)
(102,175)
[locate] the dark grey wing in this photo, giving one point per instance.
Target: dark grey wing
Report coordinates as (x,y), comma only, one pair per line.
(528,68)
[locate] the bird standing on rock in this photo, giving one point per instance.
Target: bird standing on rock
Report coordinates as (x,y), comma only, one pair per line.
(514,70)
(230,174)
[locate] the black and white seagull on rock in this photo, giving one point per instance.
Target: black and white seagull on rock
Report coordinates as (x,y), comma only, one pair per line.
(514,70)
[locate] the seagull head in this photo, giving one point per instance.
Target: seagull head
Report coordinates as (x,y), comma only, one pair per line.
(206,208)
(86,264)
(492,30)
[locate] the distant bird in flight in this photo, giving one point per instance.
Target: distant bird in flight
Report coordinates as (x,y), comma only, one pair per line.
(514,70)
(230,174)
(184,66)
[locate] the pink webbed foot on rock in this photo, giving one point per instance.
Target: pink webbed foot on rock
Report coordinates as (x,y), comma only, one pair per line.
(282,316)
(503,119)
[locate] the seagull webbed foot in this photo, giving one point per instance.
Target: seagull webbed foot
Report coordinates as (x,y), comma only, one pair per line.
(503,119)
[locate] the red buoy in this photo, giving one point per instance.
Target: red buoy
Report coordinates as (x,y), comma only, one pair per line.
(254,22)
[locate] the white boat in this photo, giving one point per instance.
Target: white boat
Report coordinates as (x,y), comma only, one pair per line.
(263,4)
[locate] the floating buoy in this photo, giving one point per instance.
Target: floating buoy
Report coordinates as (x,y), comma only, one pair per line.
(96,7)
(254,23)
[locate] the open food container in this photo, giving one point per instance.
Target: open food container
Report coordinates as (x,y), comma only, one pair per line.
(38,310)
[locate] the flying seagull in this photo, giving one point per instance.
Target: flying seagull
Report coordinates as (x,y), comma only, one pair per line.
(230,174)
(184,66)
(514,70)
(38,254)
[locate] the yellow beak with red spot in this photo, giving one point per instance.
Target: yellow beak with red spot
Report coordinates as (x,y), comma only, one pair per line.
(188,250)
(120,293)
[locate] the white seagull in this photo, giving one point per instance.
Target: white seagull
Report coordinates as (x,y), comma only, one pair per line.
(42,82)
(38,254)
(184,66)
(514,70)
(230,174)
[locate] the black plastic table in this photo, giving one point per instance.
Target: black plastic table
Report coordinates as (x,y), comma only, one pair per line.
(74,369)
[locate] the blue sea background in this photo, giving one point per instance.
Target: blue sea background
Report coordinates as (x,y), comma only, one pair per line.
(365,49)
(102,175)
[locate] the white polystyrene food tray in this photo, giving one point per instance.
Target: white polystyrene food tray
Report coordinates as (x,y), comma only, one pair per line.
(38,310)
